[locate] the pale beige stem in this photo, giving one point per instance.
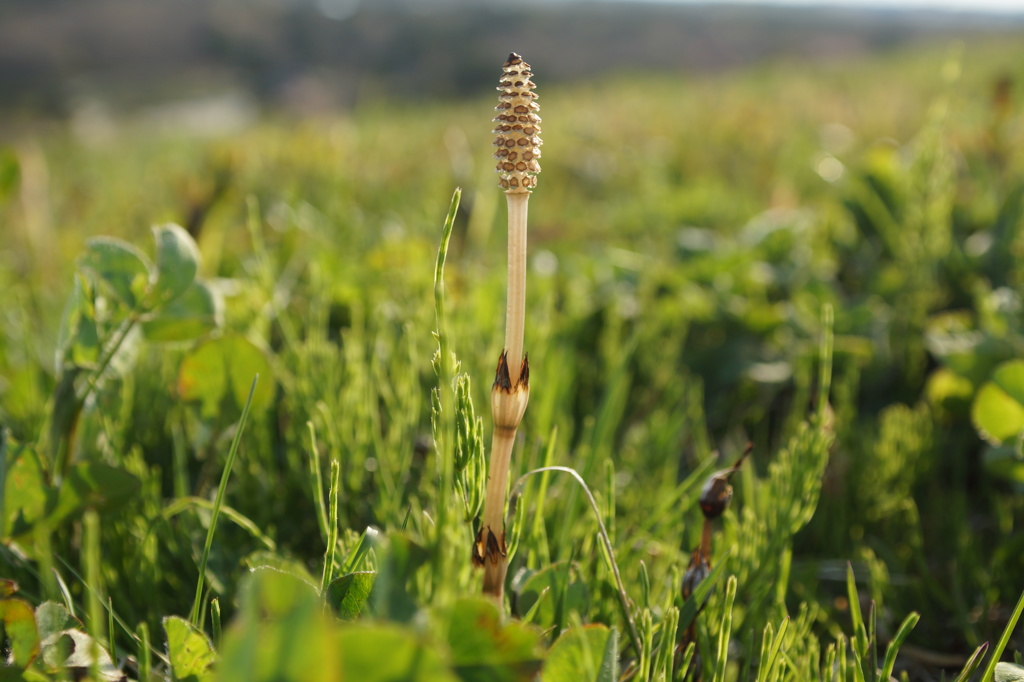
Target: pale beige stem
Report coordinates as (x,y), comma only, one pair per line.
(496,562)
(517,127)
(515,312)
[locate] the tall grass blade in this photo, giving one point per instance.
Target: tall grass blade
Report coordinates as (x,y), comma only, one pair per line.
(91,541)
(144,658)
(722,656)
(332,526)
(624,601)
(973,663)
(767,669)
(3,478)
(990,669)
(859,641)
(318,483)
(218,501)
(897,641)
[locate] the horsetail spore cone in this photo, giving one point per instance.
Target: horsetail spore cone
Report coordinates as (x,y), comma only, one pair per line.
(517,127)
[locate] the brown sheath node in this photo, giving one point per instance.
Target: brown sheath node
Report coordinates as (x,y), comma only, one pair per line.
(490,551)
(503,378)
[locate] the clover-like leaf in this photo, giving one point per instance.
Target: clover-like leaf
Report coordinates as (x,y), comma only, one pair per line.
(583,654)
(195,312)
(221,370)
(388,652)
(485,649)
(1008,672)
(177,262)
(27,496)
(189,650)
(349,593)
(122,268)
(19,623)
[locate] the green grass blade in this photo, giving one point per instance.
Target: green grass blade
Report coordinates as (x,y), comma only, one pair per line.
(973,663)
(624,601)
(91,541)
(990,668)
(767,638)
(145,659)
(725,631)
(218,501)
(859,640)
(332,525)
(669,629)
(215,621)
(110,629)
(687,657)
(366,542)
(318,483)
(873,640)
(897,641)
(770,665)
(444,423)
(3,478)
(229,513)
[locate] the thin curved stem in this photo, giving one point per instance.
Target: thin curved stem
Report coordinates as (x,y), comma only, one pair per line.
(603,532)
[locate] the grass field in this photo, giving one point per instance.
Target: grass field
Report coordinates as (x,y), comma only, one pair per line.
(820,260)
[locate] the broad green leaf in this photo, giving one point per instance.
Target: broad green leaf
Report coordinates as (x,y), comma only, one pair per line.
(609,671)
(261,559)
(949,393)
(1009,376)
(202,377)
(54,624)
(177,261)
(26,493)
(244,362)
(1008,672)
(189,650)
(20,627)
(195,312)
(93,484)
(53,619)
(485,650)
(222,369)
(388,653)
(996,414)
(120,266)
(281,633)
(581,655)
(279,593)
(348,594)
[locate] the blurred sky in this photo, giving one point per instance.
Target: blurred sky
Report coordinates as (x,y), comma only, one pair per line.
(1011,6)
